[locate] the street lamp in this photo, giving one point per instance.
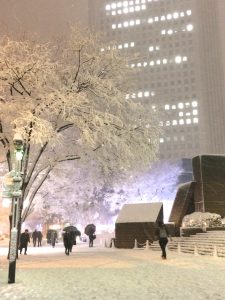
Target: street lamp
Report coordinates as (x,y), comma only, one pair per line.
(16,194)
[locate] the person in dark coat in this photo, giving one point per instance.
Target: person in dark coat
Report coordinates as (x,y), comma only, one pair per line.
(53,238)
(92,237)
(72,238)
(24,240)
(34,237)
(68,242)
(162,235)
(39,238)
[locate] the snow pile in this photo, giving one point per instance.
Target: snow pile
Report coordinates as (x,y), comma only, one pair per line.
(199,219)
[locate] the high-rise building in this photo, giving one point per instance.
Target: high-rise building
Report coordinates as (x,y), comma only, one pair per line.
(181,62)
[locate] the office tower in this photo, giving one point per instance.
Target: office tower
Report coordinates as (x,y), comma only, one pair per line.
(181,63)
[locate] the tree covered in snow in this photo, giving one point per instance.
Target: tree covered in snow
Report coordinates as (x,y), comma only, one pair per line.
(86,200)
(68,102)
(202,220)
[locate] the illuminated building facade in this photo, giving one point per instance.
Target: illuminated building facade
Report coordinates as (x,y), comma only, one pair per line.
(181,65)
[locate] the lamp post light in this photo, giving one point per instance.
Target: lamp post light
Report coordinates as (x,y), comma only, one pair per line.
(16,194)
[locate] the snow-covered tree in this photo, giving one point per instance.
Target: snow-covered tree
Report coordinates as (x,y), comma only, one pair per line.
(68,102)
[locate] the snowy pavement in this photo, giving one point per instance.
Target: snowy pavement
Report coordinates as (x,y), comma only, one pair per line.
(111,274)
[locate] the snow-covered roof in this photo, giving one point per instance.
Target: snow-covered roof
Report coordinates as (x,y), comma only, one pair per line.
(141,212)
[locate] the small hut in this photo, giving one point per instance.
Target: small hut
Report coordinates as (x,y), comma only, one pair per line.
(137,222)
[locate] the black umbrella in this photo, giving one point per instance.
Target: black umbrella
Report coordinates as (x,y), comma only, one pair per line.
(89,229)
(72,228)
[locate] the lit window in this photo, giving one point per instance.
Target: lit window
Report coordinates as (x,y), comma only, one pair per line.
(131,2)
(102,49)
(161,123)
(113,13)
(133,95)
(139,65)
(152,93)
(120,47)
(181,114)
(188,114)
(137,8)
(175,15)
(150,20)
(163,18)
(187,104)
(157,48)
(126,45)
(152,63)
(113,5)
(173,106)
(189,12)
(133,65)
(167,107)
(140,95)
(131,9)
(156,19)
(158,62)
(137,1)
(164,61)
(108,7)
(119,4)
(127,96)
(194,103)
(169,17)
(119,12)
(145,64)
(151,48)
(125,10)
(185,58)
(132,23)
(113,26)
(125,3)
(119,25)
(181,121)
(195,112)
(146,94)
(170,31)
(182,14)
(178,59)
(143,6)
(161,140)
(180,105)
(163,31)
(132,43)
(189,27)
(174,122)
(125,24)
(138,22)
(195,120)
(167,123)
(188,121)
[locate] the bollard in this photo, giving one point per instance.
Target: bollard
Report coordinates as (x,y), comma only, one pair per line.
(135,244)
(178,248)
(147,245)
(215,252)
(113,243)
(195,250)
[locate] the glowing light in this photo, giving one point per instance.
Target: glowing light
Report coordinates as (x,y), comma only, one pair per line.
(189,27)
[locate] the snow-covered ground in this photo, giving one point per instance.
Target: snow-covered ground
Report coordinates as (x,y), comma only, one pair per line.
(111,274)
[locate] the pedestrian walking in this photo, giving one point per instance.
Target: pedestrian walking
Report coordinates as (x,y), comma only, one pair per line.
(92,237)
(162,235)
(24,240)
(68,241)
(34,237)
(53,238)
(39,238)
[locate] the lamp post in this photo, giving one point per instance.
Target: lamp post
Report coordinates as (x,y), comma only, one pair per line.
(16,194)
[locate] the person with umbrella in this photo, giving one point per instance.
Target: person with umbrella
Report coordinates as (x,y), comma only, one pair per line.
(69,238)
(90,231)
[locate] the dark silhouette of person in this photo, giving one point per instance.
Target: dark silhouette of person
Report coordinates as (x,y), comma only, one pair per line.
(39,238)
(34,237)
(24,240)
(53,238)
(68,242)
(72,238)
(92,237)
(162,235)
